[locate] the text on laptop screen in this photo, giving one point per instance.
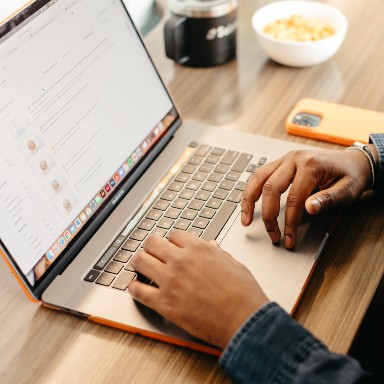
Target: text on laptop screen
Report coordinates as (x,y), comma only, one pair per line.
(80,103)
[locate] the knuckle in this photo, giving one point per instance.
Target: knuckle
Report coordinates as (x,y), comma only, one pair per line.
(328,199)
(268,187)
(292,199)
(269,223)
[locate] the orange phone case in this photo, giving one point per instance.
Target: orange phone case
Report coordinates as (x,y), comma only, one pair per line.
(339,123)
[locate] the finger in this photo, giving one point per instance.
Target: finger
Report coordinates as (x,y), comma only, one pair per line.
(338,195)
(301,188)
(145,294)
(159,247)
(215,244)
(182,239)
(253,190)
(147,265)
(273,188)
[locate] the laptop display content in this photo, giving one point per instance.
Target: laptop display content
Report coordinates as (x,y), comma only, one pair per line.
(71,137)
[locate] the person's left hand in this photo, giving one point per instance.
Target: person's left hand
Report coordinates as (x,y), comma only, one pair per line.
(200,287)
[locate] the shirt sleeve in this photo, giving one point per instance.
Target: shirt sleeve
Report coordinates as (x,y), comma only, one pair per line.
(377,139)
(272,348)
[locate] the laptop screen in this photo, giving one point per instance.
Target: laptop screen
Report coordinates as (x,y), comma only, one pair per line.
(81,106)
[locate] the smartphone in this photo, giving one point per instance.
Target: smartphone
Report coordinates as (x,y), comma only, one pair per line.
(332,122)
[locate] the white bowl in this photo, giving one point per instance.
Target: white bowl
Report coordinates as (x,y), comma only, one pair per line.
(300,54)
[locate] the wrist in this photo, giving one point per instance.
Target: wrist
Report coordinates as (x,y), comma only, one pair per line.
(369,165)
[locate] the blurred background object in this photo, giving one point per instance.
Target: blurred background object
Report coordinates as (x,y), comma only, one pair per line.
(145,13)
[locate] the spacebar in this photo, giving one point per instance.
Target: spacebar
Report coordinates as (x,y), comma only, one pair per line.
(219,220)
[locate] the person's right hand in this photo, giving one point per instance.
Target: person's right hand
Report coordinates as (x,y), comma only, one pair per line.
(340,176)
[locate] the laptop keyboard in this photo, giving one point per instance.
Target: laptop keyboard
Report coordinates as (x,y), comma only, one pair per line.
(198,198)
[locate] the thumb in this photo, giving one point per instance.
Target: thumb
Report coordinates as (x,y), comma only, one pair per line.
(336,196)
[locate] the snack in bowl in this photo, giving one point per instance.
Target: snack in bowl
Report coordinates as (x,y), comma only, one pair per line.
(298,28)
(300,50)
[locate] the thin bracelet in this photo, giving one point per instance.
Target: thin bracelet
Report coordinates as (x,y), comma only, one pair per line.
(368,151)
(369,159)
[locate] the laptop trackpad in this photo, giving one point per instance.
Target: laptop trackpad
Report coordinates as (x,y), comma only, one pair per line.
(273,265)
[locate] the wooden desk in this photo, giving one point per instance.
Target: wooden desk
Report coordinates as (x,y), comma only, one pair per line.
(251,94)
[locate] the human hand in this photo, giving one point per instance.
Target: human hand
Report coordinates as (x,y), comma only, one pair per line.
(200,287)
(341,176)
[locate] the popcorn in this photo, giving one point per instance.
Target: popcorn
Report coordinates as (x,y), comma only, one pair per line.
(298,28)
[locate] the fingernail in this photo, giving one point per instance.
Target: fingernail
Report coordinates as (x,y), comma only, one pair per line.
(288,241)
(244,217)
(316,205)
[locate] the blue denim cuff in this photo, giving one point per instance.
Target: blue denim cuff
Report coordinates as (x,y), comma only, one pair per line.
(268,348)
(377,140)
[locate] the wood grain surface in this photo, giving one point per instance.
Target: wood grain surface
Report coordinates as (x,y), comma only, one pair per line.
(250,94)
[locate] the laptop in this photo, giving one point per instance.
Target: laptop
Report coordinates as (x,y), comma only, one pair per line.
(94,156)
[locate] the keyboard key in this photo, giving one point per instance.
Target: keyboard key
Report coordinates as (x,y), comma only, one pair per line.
(186,194)
(229,157)
(189,169)
(168,195)
(226,184)
(220,194)
(262,160)
(114,267)
(138,234)
(207,213)
(92,275)
(233,176)
(195,160)
(215,177)
(217,151)
(202,195)
(103,261)
(105,279)
(205,167)
(209,186)
(123,280)
(182,177)
(161,205)
(193,144)
(240,185)
(130,245)
(201,223)
(214,203)
(179,203)
(203,150)
(172,213)
(193,185)
(182,224)
(235,196)
(200,176)
(252,168)
(242,162)
(222,168)
(211,159)
(195,231)
(146,224)
(122,256)
(175,186)
(189,214)
(219,221)
(154,214)
(158,231)
(196,204)
(165,223)
(120,240)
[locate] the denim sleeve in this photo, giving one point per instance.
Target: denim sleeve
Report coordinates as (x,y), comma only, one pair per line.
(272,348)
(377,140)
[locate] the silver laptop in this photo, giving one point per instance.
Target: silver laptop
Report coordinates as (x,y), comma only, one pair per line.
(94,157)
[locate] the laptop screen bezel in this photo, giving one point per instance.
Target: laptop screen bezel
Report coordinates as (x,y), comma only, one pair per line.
(73,249)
